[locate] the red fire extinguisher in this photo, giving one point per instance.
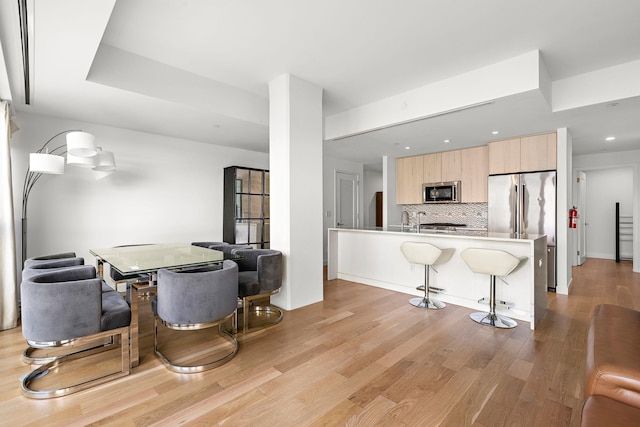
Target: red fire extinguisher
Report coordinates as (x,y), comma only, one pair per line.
(573,217)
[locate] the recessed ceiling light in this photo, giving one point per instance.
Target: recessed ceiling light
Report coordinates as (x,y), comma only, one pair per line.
(610,138)
(407,148)
(495,132)
(446,141)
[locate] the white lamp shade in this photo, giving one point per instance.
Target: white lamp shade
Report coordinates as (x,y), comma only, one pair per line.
(81,144)
(46,163)
(84,162)
(101,174)
(105,161)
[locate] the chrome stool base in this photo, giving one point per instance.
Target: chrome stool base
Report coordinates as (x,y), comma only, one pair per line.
(427,303)
(494,320)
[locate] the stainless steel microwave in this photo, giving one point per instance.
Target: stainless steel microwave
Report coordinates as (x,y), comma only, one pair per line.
(441,192)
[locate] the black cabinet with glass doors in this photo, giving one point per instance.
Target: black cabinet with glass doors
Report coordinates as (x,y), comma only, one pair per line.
(246,206)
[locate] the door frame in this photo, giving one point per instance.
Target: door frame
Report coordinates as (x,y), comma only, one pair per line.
(336,192)
(636,205)
(581,204)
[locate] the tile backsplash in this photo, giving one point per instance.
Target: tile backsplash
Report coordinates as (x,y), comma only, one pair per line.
(472,214)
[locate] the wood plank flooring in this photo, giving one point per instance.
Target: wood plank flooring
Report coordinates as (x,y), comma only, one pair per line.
(364,356)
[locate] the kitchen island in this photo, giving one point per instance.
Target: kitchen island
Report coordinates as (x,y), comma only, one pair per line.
(373,257)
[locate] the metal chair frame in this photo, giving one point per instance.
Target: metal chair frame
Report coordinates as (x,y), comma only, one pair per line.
(186,369)
(119,336)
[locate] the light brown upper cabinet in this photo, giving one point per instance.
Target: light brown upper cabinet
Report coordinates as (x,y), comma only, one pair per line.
(526,154)
(474,172)
(469,166)
(451,166)
(432,171)
(538,152)
(409,180)
(504,156)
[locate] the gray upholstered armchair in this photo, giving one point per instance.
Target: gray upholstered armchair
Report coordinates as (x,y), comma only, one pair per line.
(207,244)
(260,276)
(196,299)
(35,269)
(67,308)
(65,259)
(48,263)
(228,248)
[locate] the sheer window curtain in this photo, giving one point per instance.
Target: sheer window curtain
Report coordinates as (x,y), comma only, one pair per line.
(8,276)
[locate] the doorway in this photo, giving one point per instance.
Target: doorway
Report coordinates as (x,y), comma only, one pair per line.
(347,205)
(582,217)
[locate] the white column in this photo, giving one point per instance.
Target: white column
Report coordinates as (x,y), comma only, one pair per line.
(295,164)
(564,195)
(391,212)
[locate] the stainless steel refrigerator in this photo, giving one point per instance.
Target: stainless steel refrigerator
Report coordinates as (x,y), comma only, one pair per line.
(524,204)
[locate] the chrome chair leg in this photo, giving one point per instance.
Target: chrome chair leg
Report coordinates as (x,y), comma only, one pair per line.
(492,318)
(426,301)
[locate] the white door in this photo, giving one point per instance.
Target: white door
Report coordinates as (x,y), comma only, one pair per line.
(582,216)
(347,206)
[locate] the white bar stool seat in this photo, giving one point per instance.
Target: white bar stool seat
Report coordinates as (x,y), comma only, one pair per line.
(427,255)
(494,263)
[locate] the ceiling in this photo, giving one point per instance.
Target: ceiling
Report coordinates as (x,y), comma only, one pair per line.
(200,69)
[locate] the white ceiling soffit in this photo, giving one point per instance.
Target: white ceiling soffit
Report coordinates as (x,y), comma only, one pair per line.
(124,70)
(521,74)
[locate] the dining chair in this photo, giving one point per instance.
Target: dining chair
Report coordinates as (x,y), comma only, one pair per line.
(259,277)
(64,259)
(228,248)
(207,244)
(194,300)
(67,309)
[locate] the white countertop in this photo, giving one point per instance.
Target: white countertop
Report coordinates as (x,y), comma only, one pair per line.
(458,233)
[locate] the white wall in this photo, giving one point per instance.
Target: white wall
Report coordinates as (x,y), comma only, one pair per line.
(623,159)
(605,187)
(165,190)
(391,211)
(330,166)
(564,197)
(372,183)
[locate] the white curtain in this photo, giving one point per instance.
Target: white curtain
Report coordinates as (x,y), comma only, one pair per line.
(8,282)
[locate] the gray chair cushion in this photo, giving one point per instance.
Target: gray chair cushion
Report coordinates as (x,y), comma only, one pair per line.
(248,283)
(106,288)
(197,297)
(115,311)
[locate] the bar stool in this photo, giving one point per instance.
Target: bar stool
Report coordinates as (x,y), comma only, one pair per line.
(494,263)
(427,255)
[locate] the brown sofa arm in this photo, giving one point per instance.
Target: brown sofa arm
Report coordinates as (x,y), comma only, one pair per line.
(601,411)
(613,354)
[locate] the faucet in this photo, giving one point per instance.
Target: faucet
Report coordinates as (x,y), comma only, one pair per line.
(419,222)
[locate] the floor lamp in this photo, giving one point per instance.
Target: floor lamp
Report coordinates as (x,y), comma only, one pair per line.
(80,150)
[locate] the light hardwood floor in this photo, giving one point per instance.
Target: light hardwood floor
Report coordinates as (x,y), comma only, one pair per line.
(363,356)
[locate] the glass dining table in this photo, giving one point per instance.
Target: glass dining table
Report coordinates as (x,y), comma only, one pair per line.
(138,264)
